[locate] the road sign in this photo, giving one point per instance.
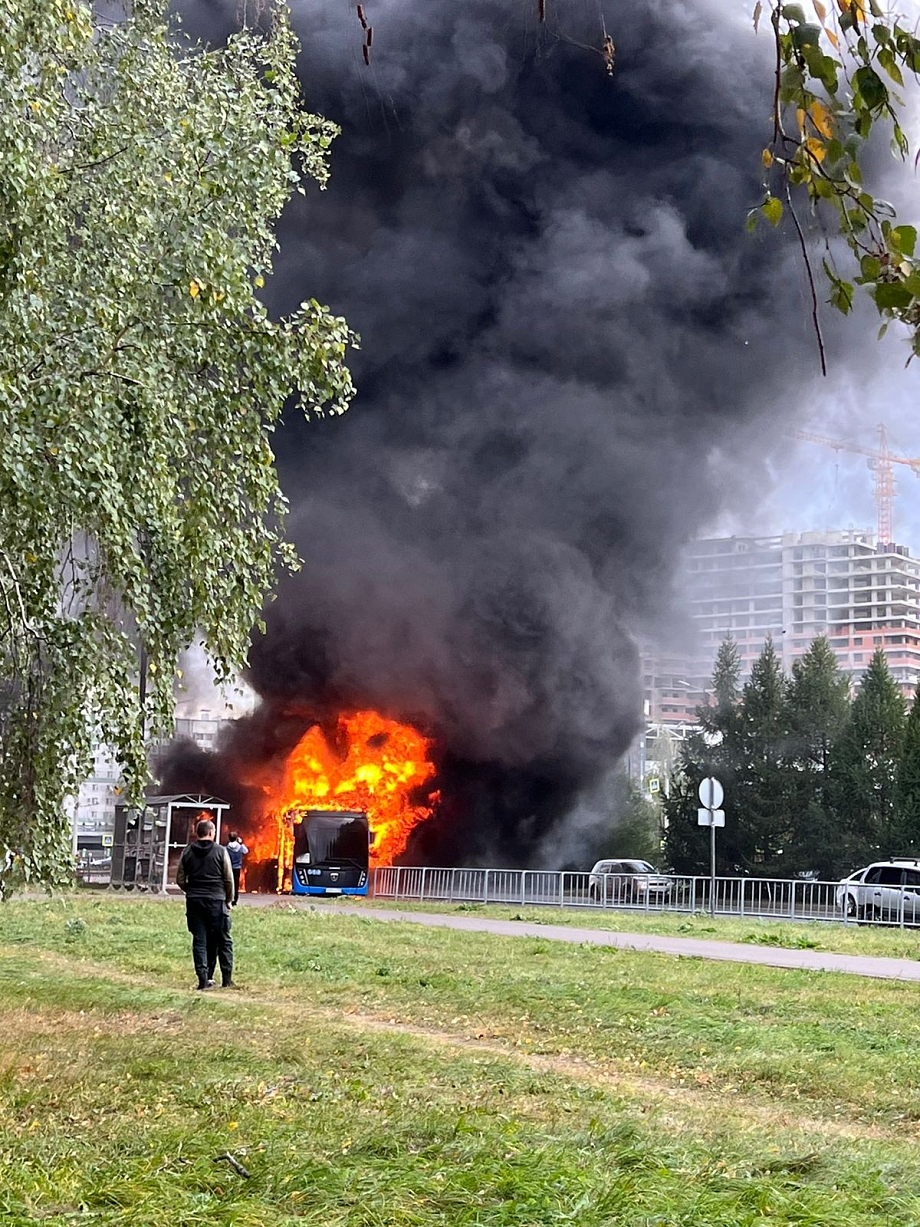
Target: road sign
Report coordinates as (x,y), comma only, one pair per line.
(710,817)
(711,793)
(654,785)
(107,841)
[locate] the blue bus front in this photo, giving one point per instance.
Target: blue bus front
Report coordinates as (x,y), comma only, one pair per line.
(331,852)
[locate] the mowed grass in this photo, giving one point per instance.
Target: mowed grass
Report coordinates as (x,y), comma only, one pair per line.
(831,936)
(374,1073)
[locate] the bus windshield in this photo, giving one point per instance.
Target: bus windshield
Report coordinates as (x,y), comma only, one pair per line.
(327,836)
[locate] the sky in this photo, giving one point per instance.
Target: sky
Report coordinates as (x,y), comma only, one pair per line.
(804,486)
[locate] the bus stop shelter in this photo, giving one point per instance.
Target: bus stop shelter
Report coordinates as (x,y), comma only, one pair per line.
(148,840)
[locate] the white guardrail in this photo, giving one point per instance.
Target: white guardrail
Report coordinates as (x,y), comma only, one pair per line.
(765,898)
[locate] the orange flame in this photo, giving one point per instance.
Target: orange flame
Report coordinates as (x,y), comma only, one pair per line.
(382,765)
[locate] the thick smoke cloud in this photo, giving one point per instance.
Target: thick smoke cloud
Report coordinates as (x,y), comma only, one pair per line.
(562,317)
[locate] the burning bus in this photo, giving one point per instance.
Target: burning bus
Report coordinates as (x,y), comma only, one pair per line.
(345,799)
(330,852)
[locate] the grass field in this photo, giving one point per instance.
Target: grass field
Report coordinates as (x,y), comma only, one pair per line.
(381,1074)
(831,936)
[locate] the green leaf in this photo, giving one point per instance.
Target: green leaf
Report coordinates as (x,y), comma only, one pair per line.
(806,36)
(892,296)
(871,88)
(794,12)
(903,239)
(887,61)
(772,209)
(842,297)
(834,152)
(823,68)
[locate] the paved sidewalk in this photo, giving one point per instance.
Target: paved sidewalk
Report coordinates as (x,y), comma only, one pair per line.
(687,947)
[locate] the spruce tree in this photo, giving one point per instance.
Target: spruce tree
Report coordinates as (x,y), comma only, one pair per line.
(711,751)
(819,710)
(865,766)
(908,821)
(762,823)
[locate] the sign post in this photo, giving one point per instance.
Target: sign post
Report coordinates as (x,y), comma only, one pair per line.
(710,815)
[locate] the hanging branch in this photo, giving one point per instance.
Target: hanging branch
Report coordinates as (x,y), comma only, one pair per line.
(834,79)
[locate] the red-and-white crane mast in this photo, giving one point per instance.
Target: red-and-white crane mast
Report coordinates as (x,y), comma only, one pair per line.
(882,461)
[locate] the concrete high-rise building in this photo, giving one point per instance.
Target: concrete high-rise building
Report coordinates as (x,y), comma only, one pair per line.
(93,811)
(793,587)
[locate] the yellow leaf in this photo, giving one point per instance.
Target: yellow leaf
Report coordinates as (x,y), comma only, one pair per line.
(835,41)
(820,10)
(767,158)
(233,1124)
(816,149)
(168,177)
(822,119)
(800,118)
(193,288)
(260,281)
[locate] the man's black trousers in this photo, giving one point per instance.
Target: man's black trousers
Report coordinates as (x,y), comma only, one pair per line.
(208,922)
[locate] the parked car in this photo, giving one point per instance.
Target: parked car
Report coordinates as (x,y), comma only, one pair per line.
(628,882)
(877,892)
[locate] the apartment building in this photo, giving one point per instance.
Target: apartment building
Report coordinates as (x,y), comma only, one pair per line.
(94,808)
(793,587)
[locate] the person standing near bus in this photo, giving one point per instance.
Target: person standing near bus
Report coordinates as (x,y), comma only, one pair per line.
(236,850)
(206,879)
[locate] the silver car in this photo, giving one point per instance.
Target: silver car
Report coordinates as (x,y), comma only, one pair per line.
(881,891)
(628,882)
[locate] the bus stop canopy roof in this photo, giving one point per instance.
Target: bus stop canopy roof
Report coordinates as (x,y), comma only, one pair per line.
(183,800)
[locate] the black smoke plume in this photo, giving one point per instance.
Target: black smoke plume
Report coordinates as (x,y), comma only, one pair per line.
(562,319)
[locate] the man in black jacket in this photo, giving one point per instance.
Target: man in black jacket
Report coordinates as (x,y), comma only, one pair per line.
(204,874)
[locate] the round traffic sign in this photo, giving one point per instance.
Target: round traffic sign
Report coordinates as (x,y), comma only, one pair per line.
(711,793)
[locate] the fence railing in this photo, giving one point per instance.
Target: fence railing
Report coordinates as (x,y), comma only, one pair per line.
(765,898)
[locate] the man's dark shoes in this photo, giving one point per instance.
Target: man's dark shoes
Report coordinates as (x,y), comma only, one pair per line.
(204,985)
(229,984)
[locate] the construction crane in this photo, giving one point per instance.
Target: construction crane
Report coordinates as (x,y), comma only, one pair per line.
(881,461)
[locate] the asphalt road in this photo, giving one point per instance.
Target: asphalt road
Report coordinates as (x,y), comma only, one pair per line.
(685,947)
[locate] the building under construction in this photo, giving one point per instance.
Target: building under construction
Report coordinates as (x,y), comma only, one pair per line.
(860,593)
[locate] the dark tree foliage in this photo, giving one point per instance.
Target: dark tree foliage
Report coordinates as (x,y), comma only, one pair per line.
(866,763)
(636,830)
(711,751)
(819,708)
(815,780)
(762,780)
(908,829)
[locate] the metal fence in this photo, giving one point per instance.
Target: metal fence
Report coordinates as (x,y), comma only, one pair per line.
(762,898)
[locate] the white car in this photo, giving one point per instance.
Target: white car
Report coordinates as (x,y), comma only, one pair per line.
(628,882)
(880,891)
